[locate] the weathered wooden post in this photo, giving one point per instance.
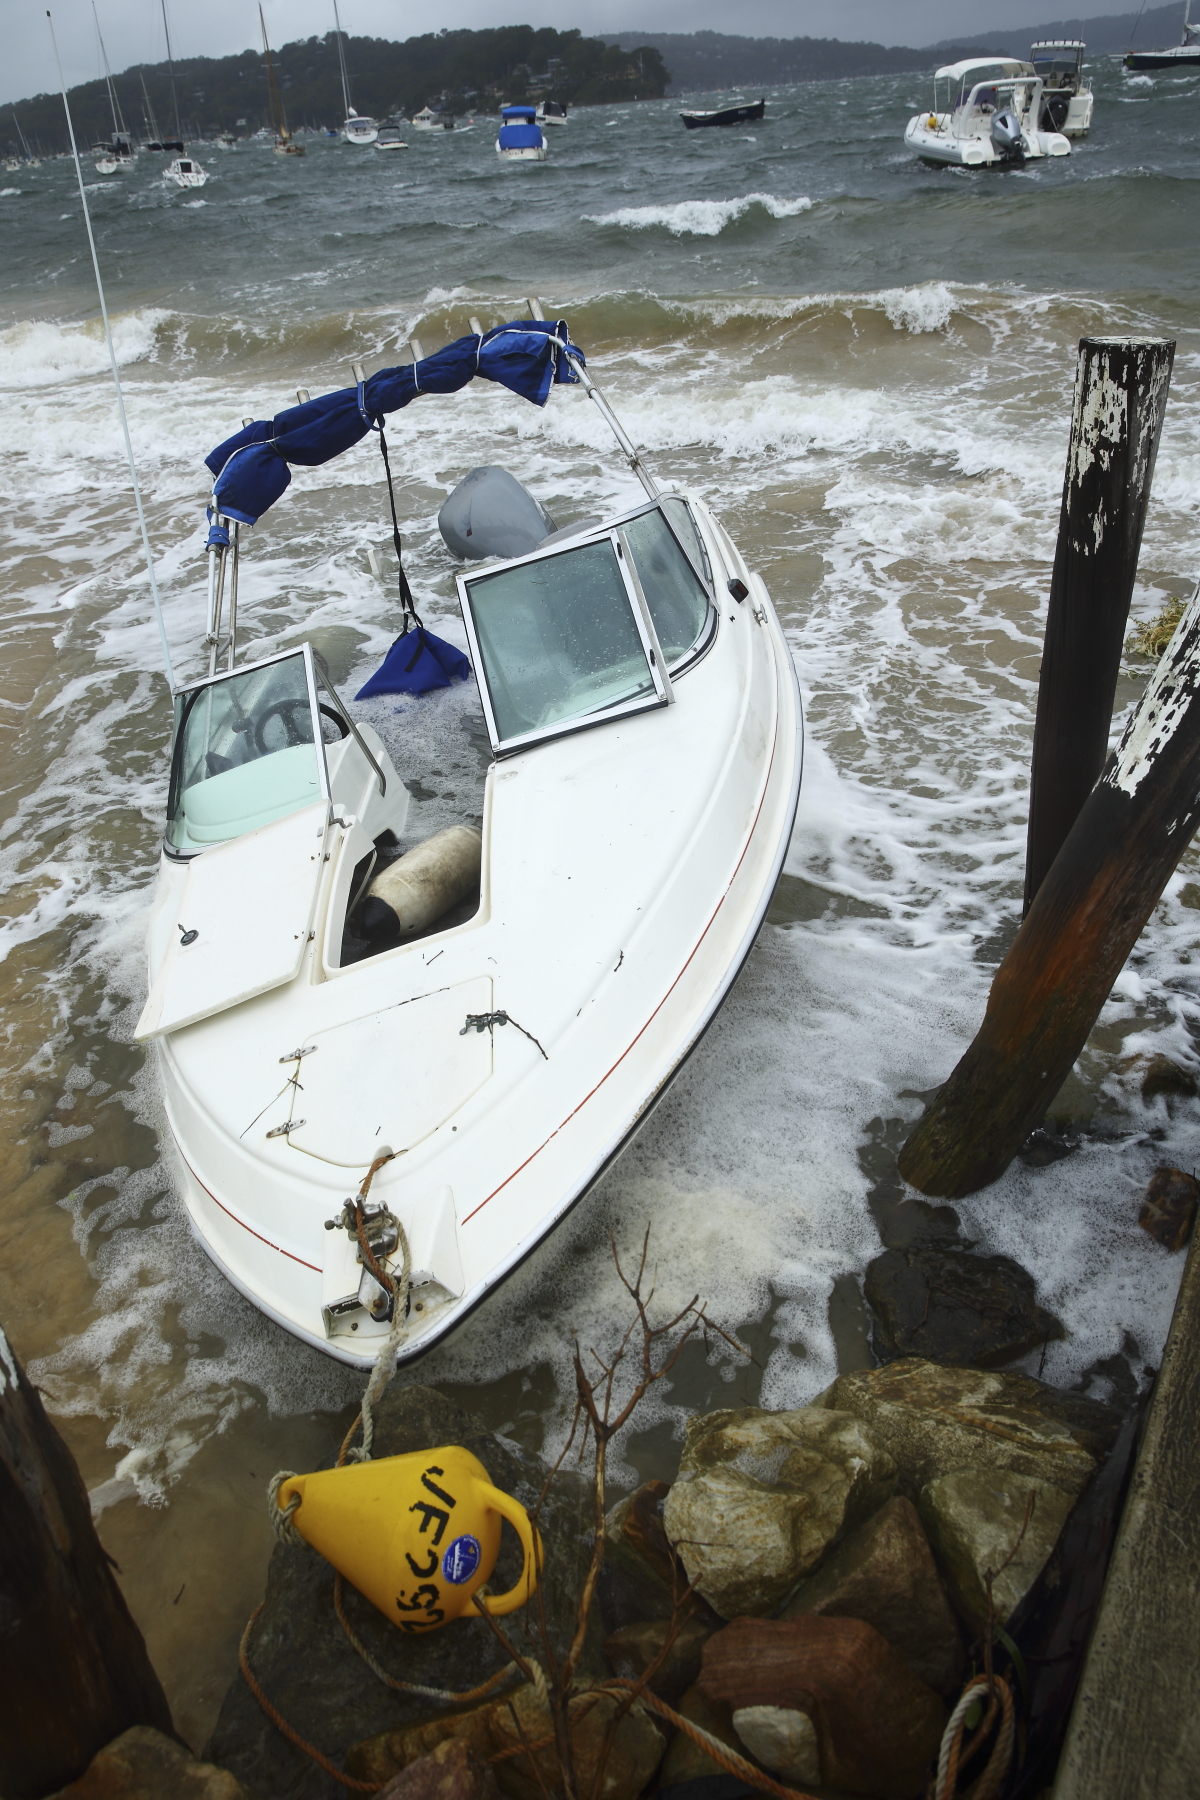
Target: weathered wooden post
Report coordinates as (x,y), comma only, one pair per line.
(74,1672)
(1085,919)
(1120,399)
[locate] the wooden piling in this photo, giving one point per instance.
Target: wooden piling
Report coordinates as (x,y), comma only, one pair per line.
(1085,919)
(1120,398)
(74,1672)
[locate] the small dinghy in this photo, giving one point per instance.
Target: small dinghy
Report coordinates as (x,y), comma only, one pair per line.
(725,115)
(520,138)
(522,993)
(985,114)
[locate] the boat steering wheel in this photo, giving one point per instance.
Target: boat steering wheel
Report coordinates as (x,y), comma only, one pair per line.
(286,711)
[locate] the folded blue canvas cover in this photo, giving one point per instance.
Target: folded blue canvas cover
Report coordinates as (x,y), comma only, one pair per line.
(251,468)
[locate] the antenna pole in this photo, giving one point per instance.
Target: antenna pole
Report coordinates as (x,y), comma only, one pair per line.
(116,373)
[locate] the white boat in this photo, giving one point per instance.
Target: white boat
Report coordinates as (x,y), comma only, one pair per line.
(646,732)
(985,114)
(284,144)
(552,112)
(185,172)
(356,127)
(225,140)
(428,120)
(1067,101)
(520,138)
(1183,55)
(389,138)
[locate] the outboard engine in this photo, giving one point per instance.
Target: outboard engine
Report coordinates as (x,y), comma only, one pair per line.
(491,514)
(1055,108)
(1007,137)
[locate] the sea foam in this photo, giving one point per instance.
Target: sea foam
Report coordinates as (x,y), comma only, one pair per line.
(700,218)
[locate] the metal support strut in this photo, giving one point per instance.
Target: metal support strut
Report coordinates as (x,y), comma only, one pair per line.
(629,448)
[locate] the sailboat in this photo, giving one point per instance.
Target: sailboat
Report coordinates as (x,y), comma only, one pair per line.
(119,153)
(285,143)
(30,161)
(176,143)
(1183,55)
(356,128)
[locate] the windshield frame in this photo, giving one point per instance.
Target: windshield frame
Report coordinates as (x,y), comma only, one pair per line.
(186,697)
(660,677)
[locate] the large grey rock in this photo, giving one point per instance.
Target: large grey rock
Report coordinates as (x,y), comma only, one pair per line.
(974,1519)
(143,1764)
(950,1306)
(934,1419)
(761,1495)
(305,1662)
(884,1574)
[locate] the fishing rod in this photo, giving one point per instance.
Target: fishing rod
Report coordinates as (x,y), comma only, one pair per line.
(116,373)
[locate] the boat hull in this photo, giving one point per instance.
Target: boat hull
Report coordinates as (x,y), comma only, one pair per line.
(644,916)
(725,115)
(1184,56)
(942,149)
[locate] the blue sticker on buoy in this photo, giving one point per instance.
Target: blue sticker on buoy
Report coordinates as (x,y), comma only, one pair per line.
(461,1560)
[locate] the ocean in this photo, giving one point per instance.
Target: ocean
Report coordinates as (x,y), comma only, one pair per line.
(867,367)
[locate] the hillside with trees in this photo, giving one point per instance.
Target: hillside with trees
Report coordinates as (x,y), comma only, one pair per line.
(458,71)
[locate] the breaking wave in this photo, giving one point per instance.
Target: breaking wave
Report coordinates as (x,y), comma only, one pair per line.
(700,218)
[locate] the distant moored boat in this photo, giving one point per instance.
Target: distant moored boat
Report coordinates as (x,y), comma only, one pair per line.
(725,115)
(1185,54)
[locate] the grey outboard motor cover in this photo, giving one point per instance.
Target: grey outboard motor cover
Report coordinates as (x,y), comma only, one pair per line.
(1007,135)
(491,514)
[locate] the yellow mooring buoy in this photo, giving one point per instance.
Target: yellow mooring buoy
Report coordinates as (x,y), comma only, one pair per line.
(418,1535)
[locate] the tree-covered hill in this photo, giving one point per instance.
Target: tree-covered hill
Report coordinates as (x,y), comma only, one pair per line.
(461,70)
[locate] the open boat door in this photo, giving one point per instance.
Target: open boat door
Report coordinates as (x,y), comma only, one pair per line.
(247,813)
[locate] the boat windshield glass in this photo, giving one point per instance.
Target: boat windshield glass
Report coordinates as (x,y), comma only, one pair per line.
(558,640)
(246,754)
(674,592)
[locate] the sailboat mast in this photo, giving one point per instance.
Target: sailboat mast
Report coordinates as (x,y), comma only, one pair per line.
(342,62)
(21,135)
(171,67)
(118,117)
(281,130)
(151,121)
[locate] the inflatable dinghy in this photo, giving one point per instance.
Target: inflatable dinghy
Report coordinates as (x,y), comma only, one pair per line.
(525,993)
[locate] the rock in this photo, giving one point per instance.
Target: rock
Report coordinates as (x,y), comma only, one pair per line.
(633,1649)
(885,1575)
(974,1520)
(143,1764)
(781,1740)
(686,1761)
(489,1732)
(451,1772)
(1168,1211)
(934,1419)
(877,1725)
(950,1306)
(761,1495)
(638,1577)
(1163,1076)
(305,1661)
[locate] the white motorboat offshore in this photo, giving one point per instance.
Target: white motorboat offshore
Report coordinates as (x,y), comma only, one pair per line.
(520,138)
(428,120)
(414,1065)
(185,172)
(389,138)
(552,112)
(1068,100)
(985,115)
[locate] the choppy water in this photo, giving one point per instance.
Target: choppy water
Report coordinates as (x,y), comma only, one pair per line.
(868,367)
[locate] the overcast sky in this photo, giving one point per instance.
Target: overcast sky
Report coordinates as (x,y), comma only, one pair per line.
(133,30)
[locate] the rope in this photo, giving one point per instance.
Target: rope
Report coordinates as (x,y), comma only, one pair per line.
(385,1362)
(951,1753)
(442,1696)
(280,1723)
(281,1516)
(407,604)
(721,1754)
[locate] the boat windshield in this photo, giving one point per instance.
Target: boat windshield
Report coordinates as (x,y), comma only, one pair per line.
(674,592)
(559,641)
(246,753)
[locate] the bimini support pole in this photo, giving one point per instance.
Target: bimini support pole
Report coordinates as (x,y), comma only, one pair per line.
(222,559)
(629,448)
(116,373)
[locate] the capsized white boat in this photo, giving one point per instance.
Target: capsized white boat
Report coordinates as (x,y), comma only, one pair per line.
(985,113)
(513,1001)
(185,172)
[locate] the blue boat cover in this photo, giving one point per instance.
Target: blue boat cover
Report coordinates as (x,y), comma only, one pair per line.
(251,468)
(511,113)
(417,663)
(520,137)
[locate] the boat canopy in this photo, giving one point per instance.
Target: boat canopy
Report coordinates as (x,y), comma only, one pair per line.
(1004,65)
(251,468)
(518,115)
